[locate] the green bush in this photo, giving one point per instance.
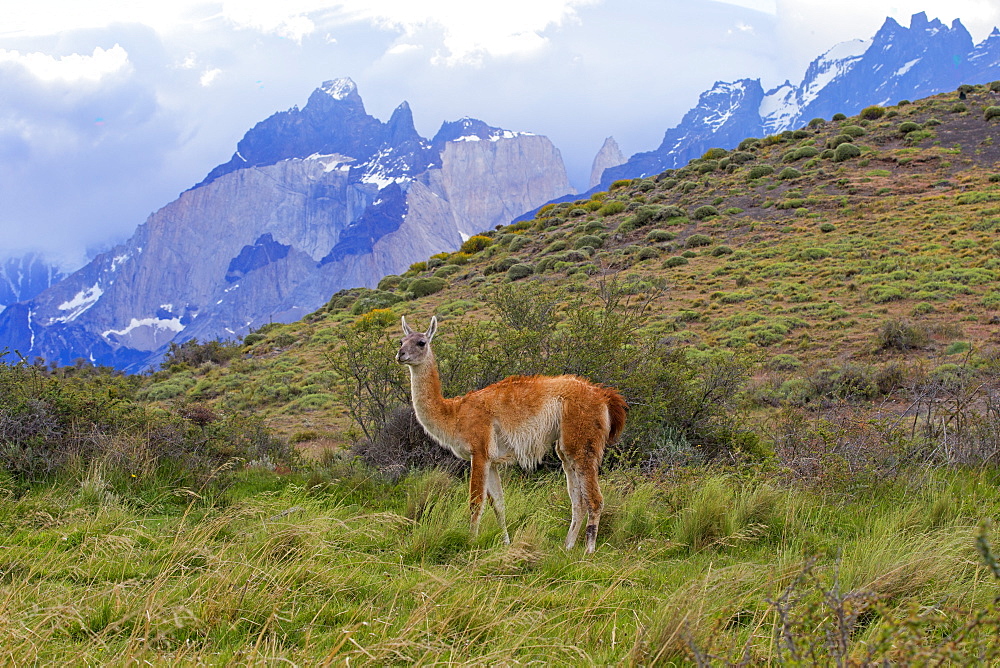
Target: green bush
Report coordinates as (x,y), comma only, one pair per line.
(748,143)
(991,112)
(390,282)
(740,157)
(789,173)
(648,253)
(817,122)
(696,240)
(846,152)
(611,208)
(422,287)
(853,130)
(519,271)
(759,171)
(827,227)
(660,235)
(900,335)
(834,142)
(931,122)
(714,154)
(703,212)
(907,127)
(959,108)
(556,246)
(675,261)
(839,117)
(812,254)
(722,250)
(872,113)
(590,240)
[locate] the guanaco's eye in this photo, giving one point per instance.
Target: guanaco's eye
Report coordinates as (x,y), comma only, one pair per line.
(421,343)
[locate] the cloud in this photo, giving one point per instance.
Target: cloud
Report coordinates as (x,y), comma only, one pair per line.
(72,68)
(208,76)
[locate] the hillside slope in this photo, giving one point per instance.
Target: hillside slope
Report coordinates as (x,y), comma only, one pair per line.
(801,250)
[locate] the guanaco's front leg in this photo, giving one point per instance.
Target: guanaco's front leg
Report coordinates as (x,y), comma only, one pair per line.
(477,489)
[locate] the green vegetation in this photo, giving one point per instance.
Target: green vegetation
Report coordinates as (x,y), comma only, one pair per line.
(808,473)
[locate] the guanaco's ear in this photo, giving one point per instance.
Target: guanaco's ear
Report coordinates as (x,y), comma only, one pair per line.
(432,329)
(406,328)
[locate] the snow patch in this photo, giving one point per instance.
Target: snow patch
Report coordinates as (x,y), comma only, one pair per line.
(118,260)
(332,161)
(832,64)
(465,237)
(82,301)
(339,89)
(905,68)
(171,324)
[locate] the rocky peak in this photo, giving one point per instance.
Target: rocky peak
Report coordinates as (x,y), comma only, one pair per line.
(400,126)
(610,155)
(334,120)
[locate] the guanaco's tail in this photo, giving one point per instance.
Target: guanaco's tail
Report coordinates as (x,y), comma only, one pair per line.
(617,410)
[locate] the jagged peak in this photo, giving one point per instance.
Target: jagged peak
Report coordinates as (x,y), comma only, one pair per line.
(472,129)
(340,89)
(400,125)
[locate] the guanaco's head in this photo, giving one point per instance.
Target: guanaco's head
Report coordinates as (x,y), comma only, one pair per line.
(416,346)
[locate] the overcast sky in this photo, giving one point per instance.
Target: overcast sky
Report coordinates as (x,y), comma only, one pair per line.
(110,108)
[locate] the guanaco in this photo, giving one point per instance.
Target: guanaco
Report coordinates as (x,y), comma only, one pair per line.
(520,418)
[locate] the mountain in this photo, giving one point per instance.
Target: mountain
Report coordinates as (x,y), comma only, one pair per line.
(25,276)
(313,200)
(610,155)
(897,63)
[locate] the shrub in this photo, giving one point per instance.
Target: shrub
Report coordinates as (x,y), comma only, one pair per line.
(814,254)
(853,130)
(991,112)
(722,250)
(839,117)
(660,235)
(748,143)
(740,157)
(902,103)
(931,122)
(500,266)
(422,287)
(519,271)
(959,108)
(591,240)
(759,171)
(556,246)
(827,227)
(872,113)
(714,154)
(475,243)
(611,208)
(675,261)
(846,152)
(648,253)
(696,240)
(816,122)
(447,270)
(517,243)
(621,183)
(703,212)
(834,142)
(390,282)
(900,335)
(995,86)
(908,126)
(194,354)
(789,173)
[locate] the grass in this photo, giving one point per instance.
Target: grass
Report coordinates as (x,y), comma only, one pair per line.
(339,566)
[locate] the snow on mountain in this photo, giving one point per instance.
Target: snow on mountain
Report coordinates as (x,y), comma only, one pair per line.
(896,63)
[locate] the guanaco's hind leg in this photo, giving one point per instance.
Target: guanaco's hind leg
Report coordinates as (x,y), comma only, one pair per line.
(494,493)
(575,495)
(595,504)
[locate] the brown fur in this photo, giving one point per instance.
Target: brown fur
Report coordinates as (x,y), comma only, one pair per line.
(519,419)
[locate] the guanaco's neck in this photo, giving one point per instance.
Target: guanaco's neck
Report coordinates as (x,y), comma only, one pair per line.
(425,386)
